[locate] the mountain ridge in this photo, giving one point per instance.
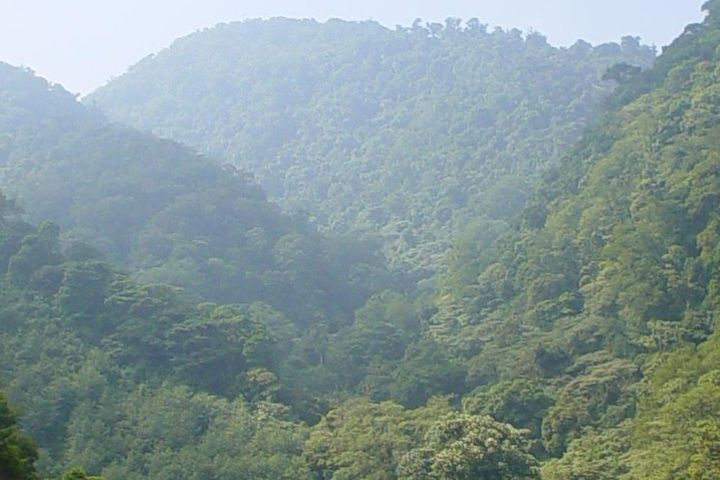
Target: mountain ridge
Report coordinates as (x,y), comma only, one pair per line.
(409,134)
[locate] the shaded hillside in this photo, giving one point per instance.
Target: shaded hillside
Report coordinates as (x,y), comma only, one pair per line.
(169,214)
(172,217)
(409,134)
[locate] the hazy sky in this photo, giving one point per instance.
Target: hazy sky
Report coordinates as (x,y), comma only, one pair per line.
(82,43)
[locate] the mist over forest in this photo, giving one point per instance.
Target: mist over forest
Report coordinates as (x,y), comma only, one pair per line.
(302,250)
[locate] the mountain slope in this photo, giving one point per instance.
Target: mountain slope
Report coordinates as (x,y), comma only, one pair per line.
(137,382)
(408,134)
(114,375)
(613,265)
(167,213)
(591,324)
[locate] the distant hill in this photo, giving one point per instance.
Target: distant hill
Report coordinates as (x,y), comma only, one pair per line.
(168,214)
(411,134)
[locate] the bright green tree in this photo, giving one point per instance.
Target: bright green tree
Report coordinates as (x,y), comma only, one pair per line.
(469,447)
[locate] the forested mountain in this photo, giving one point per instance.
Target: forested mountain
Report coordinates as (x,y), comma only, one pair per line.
(138,382)
(121,378)
(411,135)
(581,343)
(169,214)
(593,322)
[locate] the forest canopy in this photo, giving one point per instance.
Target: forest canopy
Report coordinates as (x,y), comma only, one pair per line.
(506,268)
(410,135)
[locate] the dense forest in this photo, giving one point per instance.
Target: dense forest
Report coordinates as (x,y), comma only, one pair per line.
(170,216)
(411,135)
(165,212)
(576,324)
(161,317)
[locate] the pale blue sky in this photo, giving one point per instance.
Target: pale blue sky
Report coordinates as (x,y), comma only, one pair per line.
(82,43)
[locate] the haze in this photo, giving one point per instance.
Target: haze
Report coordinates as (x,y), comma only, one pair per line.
(83,43)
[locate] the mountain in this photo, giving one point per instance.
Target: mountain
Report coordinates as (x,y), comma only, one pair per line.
(112,374)
(577,342)
(170,215)
(138,382)
(412,135)
(593,322)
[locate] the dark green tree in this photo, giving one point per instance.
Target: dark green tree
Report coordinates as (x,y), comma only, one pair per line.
(17,452)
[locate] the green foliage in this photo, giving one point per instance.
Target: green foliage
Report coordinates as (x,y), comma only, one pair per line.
(173,218)
(426,370)
(171,432)
(612,262)
(359,439)
(591,324)
(102,366)
(622,73)
(82,291)
(79,474)
(600,396)
(610,268)
(356,123)
(468,447)
(167,213)
(676,432)
(520,402)
(597,455)
(215,352)
(36,250)
(17,452)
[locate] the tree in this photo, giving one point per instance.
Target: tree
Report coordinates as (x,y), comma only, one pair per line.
(36,250)
(17,452)
(712,8)
(426,370)
(467,447)
(79,474)
(520,402)
(360,439)
(215,352)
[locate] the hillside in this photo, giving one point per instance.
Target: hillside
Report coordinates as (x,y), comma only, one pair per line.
(412,135)
(569,321)
(137,382)
(98,362)
(575,340)
(170,215)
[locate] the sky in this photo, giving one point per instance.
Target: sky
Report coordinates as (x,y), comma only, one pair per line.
(81,44)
